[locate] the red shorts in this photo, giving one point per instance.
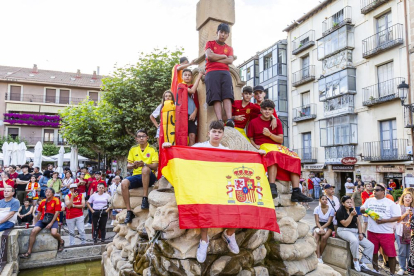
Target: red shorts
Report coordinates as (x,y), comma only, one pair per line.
(386,241)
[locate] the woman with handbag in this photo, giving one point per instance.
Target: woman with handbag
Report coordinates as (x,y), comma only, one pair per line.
(100,201)
(32,190)
(403,231)
(48,216)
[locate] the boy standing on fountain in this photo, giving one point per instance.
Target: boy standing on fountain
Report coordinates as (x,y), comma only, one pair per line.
(219,86)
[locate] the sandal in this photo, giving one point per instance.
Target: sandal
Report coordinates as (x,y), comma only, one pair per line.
(25,255)
(61,246)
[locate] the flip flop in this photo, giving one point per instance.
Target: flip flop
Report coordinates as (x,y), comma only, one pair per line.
(61,246)
(25,255)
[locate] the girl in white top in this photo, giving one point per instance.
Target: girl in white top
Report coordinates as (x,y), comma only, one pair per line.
(324,214)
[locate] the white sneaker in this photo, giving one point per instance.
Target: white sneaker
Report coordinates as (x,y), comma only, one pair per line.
(400,272)
(320,260)
(202,251)
(364,266)
(112,223)
(88,225)
(231,242)
(356,266)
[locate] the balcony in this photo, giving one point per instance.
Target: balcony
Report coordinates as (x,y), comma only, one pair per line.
(334,155)
(408,116)
(339,106)
(386,150)
(370,5)
(31,141)
(303,76)
(43,99)
(304,112)
(303,42)
(307,155)
(382,41)
(381,92)
(337,20)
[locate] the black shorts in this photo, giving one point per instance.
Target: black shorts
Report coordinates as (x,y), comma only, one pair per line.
(135,181)
(219,86)
(192,128)
(330,226)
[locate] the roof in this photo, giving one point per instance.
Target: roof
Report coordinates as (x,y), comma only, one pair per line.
(29,75)
(306,16)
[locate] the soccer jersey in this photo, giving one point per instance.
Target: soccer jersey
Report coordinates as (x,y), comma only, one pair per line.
(148,156)
(49,207)
(247,111)
(8,182)
(93,186)
(219,50)
(256,127)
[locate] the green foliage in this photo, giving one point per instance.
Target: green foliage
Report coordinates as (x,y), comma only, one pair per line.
(396,193)
(87,152)
(9,139)
(50,149)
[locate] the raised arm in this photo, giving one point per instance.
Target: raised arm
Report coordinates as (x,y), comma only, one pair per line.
(193,89)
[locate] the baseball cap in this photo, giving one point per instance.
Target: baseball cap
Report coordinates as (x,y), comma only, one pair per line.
(247,89)
(327,186)
(258,88)
(73,186)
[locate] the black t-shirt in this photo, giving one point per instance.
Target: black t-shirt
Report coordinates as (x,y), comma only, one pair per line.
(48,173)
(342,214)
(37,175)
(23,177)
(31,170)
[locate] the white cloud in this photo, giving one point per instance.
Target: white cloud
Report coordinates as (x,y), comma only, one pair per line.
(76,34)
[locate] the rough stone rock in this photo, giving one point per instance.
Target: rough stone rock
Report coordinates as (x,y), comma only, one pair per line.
(324,270)
(148,227)
(302,267)
(258,238)
(140,218)
(166,220)
(120,217)
(261,270)
(119,242)
(118,202)
(301,249)
(123,230)
(115,256)
(284,200)
(259,254)
(234,140)
(152,210)
(288,230)
(163,184)
(303,229)
(131,235)
(182,247)
(139,212)
(296,212)
(191,267)
(283,187)
(163,197)
(109,248)
(232,265)
(139,192)
(219,265)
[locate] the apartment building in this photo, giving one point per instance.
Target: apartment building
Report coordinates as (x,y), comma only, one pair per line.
(346,61)
(31,99)
(269,69)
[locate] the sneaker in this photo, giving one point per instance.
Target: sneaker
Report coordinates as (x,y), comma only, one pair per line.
(375,271)
(320,260)
(356,266)
(202,251)
(129,216)
(400,272)
(273,189)
(88,225)
(230,123)
(145,204)
(231,242)
(112,223)
(297,196)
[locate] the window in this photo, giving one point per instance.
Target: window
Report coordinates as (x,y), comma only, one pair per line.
(48,135)
(307,146)
(13,132)
(15,92)
(389,142)
(268,61)
(281,60)
(337,84)
(385,73)
(305,99)
(336,41)
(284,121)
(338,17)
(305,67)
(338,131)
(340,105)
(94,96)
(50,95)
(384,34)
(282,96)
(64,96)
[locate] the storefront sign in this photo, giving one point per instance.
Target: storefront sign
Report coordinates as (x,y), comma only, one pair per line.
(392,168)
(349,160)
(342,168)
(314,167)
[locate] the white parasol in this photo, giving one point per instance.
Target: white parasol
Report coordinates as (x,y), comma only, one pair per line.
(14,148)
(37,159)
(21,154)
(74,159)
(6,156)
(60,159)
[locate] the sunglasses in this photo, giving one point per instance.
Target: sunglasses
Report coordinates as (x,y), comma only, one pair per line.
(378,190)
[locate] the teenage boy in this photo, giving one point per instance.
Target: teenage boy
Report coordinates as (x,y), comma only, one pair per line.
(21,182)
(259,96)
(216,133)
(186,107)
(143,158)
(218,81)
(177,72)
(264,138)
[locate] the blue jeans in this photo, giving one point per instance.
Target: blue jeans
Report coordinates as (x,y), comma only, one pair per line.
(6,225)
(43,186)
(403,253)
(317,190)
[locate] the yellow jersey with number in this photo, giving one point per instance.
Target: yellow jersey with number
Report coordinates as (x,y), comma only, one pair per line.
(148,156)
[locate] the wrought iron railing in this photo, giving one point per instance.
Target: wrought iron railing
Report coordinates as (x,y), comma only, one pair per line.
(304,75)
(303,42)
(307,155)
(381,92)
(42,99)
(408,116)
(33,140)
(337,20)
(386,150)
(382,41)
(304,112)
(370,5)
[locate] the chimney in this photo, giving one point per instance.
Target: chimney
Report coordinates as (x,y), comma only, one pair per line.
(94,75)
(35,70)
(78,73)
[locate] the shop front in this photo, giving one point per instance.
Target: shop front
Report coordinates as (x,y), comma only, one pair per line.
(391,172)
(316,169)
(341,174)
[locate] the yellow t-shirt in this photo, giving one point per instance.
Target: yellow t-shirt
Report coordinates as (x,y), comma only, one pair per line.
(148,156)
(87,176)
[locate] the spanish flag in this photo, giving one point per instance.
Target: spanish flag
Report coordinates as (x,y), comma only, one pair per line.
(217,188)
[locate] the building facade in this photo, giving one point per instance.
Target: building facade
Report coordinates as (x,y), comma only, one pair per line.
(269,69)
(346,60)
(32,99)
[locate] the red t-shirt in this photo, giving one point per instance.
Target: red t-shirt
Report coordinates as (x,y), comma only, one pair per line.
(93,187)
(365,195)
(75,212)
(219,50)
(254,115)
(393,185)
(49,207)
(310,184)
(8,182)
(81,188)
(247,111)
(256,127)
(14,175)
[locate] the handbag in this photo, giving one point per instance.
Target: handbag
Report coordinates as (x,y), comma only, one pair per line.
(47,218)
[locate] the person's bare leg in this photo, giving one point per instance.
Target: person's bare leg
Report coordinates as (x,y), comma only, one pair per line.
(317,238)
(392,263)
(227,107)
(294,178)
(230,231)
(32,238)
(203,233)
(125,193)
(375,261)
(56,235)
(272,172)
(146,172)
(217,110)
(191,139)
(324,241)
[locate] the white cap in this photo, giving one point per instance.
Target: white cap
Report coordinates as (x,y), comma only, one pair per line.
(73,186)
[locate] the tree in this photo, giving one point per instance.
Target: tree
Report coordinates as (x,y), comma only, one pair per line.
(50,149)
(10,139)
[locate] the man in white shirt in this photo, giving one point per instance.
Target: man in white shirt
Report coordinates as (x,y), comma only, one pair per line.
(381,231)
(112,191)
(349,187)
(333,201)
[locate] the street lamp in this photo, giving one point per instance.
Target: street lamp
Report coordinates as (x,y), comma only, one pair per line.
(403,91)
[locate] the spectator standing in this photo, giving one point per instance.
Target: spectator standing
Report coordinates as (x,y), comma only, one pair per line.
(31,169)
(358,181)
(22,182)
(47,174)
(403,231)
(349,187)
(392,184)
(5,182)
(74,213)
(55,183)
(350,229)
(9,207)
(316,186)
(112,192)
(367,193)
(100,202)
(25,213)
(323,218)
(310,186)
(381,230)
(81,182)
(357,199)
